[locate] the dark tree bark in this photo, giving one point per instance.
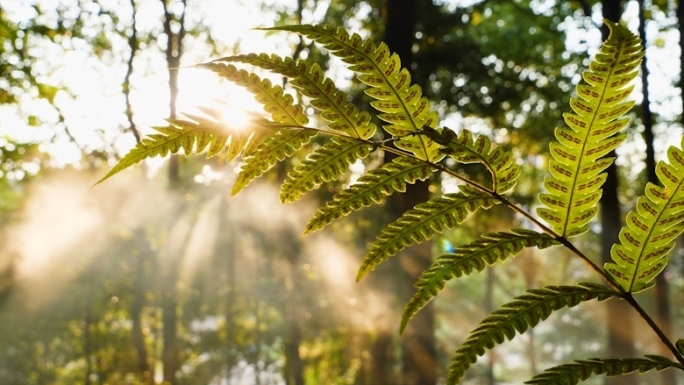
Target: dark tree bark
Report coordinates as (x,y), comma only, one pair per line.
(174,51)
(136,315)
(661,289)
(488,308)
(419,353)
(293,312)
(619,315)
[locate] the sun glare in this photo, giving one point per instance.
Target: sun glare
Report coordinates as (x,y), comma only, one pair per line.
(200,89)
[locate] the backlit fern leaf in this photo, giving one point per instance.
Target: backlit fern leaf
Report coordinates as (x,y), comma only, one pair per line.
(576,165)
(311,82)
(422,222)
(572,374)
(400,103)
(517,316)
(282,110)
(464,149)
(190,136)
(325,164)
(488,250)
(371,188)
(651,228)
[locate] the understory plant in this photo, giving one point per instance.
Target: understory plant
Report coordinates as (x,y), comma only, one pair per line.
(411,132)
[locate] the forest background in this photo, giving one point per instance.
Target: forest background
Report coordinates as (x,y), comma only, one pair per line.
(158,276)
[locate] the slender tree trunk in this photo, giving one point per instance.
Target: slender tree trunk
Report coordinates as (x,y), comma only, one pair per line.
(661,290)
(419,352)
(88,348)
(619,315)
(136,315)
(488,308)
(174,51)
(293,314)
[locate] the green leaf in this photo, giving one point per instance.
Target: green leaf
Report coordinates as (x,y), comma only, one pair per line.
(422,222)
(311,82)
(400,103)
(190,136)
(652,228)
(371,188)
(576,163)
(488,250)
(571,374)
(516,317)
(463,149)
(271,149)
(680,346)
(325,164)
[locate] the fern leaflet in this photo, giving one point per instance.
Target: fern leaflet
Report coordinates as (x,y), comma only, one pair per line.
(282,110)
(371,188)
(517,316)
(463,149)
(191,137)
(325,164)
(571,374)
(576,165)
(489,249)
(311,81)
(421,222)
(651,228)
(400,103)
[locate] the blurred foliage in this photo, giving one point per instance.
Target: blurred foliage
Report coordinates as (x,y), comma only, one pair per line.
(493,61)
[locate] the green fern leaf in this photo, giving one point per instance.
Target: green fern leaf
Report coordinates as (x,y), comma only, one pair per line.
(371,188)
(423,221)
(311,82)
(281,106)
(463,149)
(400,103)
(488,250)
(325,164)
(651,228)
(576,165)
(190,136)
(273,150)
(516,317)
(571,374)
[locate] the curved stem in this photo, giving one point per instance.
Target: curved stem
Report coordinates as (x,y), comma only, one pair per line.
(560,239)
(632,301)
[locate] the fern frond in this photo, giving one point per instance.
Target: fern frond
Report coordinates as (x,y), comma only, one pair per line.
(574,187)
(282,109)
(190,136)
(463,149)
(400,103)
(325,164)
(371,188)
(489,249)
(272,151)
(651,228)
(422,222)
(311,81)
(571,374)
(516,317)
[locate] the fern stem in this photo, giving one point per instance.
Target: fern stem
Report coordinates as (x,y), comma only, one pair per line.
(562,240)
(632,301)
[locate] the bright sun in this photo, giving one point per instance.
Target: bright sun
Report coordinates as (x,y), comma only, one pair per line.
(200,88)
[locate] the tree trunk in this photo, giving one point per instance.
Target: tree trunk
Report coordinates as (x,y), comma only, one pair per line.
(174,51)
(419,353)
(661,289)
(136,315)
(293,313)
(619,314)
(488,308)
